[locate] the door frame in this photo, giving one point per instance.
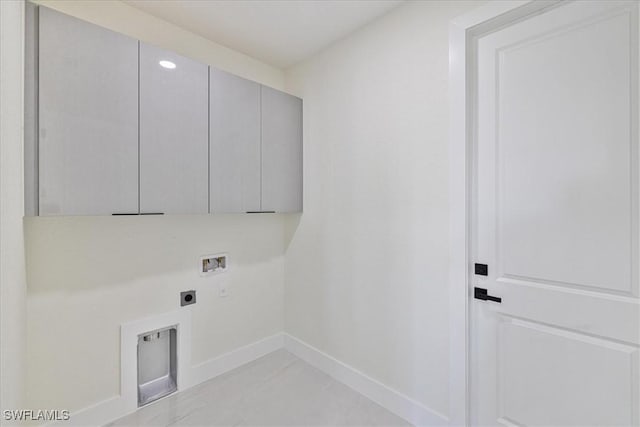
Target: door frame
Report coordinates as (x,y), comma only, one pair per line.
(463,34)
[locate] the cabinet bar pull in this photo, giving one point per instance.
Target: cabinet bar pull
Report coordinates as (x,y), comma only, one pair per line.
(259,212)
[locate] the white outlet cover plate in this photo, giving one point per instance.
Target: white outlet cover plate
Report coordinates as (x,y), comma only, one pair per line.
(217,270)
(223,289)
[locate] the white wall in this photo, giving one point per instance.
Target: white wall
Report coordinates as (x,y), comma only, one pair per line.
(366,269)
(12,268)
(365,274)
(125,19)
(88,275)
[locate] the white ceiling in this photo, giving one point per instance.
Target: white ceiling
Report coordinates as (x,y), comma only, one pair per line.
(278,32)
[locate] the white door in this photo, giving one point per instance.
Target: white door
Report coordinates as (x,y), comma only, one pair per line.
(555,220)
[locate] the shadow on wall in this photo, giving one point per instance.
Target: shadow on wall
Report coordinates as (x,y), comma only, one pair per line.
(291,224)
(74,253)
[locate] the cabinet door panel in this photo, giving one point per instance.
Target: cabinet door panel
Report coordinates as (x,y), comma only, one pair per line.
(235,143)
(88,118)
(281,151)
(173,133)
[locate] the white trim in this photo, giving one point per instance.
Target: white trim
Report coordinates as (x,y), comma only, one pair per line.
(458,323)
(116,407)
(96,415)
(462,31)
(234,359)
(129,332)
(485,13)
(390,399)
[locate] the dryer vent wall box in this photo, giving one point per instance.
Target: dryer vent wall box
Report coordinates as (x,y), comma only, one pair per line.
(157,364)
(213,264)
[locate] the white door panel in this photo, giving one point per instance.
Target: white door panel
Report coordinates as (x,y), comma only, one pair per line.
(566,156)
(556,220)
(549,376)
(592,313)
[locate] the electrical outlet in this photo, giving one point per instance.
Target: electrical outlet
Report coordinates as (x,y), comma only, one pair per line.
(223,289)
(187,298)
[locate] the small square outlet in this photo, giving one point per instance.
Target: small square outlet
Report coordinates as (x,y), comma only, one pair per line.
(187,298)
(223,289)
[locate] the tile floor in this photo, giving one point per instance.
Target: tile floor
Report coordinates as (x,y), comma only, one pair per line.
(276,390)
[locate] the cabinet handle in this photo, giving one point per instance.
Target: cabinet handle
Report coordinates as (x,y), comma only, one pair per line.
(142,213)
(259,212)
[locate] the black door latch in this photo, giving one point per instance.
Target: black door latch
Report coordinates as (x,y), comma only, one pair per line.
(481,293)
(481,269)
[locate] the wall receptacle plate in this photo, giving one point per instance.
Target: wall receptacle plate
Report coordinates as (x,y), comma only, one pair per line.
(223,289)
(213,264)
(187,298)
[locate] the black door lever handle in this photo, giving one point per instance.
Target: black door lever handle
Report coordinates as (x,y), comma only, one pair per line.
(481,293)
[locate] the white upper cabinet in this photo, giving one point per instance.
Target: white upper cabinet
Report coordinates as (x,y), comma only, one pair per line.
(235,143)
(174,148)
(281,151)
(88,118)
(117,126)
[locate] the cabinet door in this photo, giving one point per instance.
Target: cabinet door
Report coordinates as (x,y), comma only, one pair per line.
(173,133)
(235,143)
(281,151)
(88,118)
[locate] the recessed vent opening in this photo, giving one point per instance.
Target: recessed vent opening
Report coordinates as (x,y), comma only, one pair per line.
(157,364)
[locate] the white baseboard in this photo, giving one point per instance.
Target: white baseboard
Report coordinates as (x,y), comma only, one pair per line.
(417,414)
(118,406)
(392,400)
(97,415)
(234,359)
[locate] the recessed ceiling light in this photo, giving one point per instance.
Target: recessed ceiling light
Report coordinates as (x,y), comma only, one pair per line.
(167,64)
